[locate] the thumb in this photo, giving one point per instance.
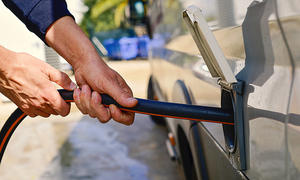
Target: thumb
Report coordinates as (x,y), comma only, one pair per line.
(121,92)
(61,79)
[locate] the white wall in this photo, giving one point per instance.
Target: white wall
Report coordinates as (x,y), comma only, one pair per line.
(15,36)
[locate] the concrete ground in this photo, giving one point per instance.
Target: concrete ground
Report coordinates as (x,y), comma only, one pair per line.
(79,148)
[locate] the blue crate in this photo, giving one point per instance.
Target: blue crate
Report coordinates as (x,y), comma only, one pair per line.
(128,47)
(113,48)
(143,46)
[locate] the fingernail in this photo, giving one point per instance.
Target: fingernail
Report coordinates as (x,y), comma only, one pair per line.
(111,108)
(76,94)
(72,85)
(94,97)
(132,100)
(84,89)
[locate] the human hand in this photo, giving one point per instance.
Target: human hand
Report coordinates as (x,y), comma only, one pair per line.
(28,82)
(96,75)
(91,73)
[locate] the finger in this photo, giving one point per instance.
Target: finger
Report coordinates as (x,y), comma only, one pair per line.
(101,112)
(48,109)
(28,112)
(40,113)
(57,103)
(37,112)
(76,97)
(31,115)
(126,118)
(61,78)
(85,98)
(120,91)
(33,112)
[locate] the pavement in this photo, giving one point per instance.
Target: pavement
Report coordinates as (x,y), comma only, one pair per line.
(78,147)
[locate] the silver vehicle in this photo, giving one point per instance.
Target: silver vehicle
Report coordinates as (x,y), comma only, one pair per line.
(247,62)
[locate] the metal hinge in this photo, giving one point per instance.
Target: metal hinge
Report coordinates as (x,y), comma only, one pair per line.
(225,85)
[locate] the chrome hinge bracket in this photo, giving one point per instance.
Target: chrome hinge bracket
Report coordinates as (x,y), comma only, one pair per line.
(225,85)
(239,155)
(236,86)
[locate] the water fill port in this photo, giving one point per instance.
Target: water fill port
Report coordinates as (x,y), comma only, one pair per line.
(229,130)
(232,89)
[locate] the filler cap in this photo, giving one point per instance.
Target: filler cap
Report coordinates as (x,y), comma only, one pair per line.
(208,45)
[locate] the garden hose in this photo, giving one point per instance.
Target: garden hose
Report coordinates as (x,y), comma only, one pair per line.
(149,107)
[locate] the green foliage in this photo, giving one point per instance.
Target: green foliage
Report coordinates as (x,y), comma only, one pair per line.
(119,13)
(103,15)
(103,5)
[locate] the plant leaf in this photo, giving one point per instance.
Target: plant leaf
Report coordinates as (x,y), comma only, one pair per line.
(119,12)
(103,5)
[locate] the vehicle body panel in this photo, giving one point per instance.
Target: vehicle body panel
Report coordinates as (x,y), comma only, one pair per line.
(263,53)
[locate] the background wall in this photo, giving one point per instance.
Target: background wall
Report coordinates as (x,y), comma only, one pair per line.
(15,36)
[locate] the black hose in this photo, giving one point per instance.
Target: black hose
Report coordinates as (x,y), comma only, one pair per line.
(164,109)
(17,117)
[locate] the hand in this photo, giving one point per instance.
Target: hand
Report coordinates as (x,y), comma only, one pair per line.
(97,75)
(28,82)
(91,73)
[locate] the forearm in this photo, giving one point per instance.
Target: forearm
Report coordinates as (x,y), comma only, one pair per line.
(3,53)
(66,37)
(38,15)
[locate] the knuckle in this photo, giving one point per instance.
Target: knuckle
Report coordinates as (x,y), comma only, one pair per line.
(64,76)
(25,107)
(102,120)
(66,109)
(111,76)
(128,123)
(58,104)
(45,115)
(32,115)
(65,113)
(53,100)
(102,114)
(107,118)
(36,102)
(92,114)
(83,111)
(129,119)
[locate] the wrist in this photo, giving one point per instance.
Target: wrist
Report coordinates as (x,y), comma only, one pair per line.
(71,42)
(89,56)
(6,56)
